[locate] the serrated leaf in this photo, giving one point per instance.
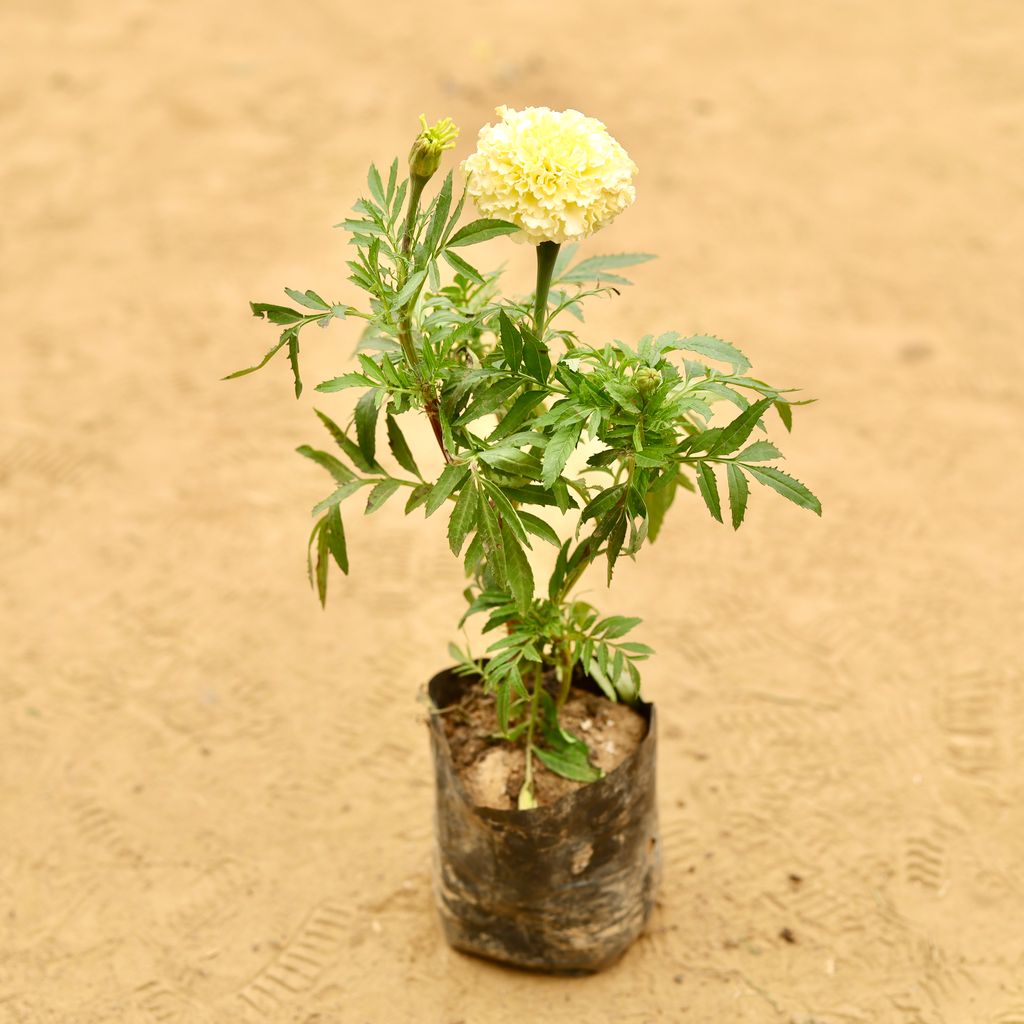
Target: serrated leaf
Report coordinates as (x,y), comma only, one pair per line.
(380,493)
(336,538)
(739,489)
(440,215)
(785,411)
(512,461)
(400,447)
(617,625)
(735,433)
(659,500)
(461,266)
(511,342)
(715,348)
(293,359)
(616,536)
(263,362)
(517,414)
(366,424)
(518,571)
(347,445)
(539,528)
(557,451)
(489,400)
(417,497)
(346,380)
(594,268)
(281,315)
(309,299)
(480,231)
(708,486)
(463,518)
(334,466)
(490,537)
(343,492)
(789,487)
(451,477)
(568,764)
(504,507)
(409,289)
(759,451)
(322,564)
(376,187)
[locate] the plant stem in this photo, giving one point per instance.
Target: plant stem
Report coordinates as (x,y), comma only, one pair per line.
(566,681)
(538,682)
(547,253)
(405,338)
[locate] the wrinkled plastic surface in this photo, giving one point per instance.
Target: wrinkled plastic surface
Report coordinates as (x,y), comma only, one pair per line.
(565,888)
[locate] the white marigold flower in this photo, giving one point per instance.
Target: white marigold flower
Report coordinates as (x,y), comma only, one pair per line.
(558,175)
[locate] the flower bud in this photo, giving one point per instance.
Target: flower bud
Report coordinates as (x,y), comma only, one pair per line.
(432,141)
(647,380)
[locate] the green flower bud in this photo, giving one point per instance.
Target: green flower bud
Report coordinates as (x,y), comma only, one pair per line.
(432,141)
(647,380)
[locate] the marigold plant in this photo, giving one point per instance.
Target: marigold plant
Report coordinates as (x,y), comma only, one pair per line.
(541,437)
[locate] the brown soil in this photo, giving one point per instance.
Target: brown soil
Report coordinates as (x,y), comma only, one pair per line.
(493,770)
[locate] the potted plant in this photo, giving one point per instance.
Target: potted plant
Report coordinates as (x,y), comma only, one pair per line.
(544,751)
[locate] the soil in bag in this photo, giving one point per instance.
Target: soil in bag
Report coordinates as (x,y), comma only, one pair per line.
(565,887)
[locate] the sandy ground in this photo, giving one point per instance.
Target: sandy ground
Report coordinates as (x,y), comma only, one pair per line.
(216,801)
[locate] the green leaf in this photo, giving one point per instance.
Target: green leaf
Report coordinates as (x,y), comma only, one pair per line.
(513,461)
(616,536)
(715,348)
(366,424)
(418,497)
(437,221)
(617,625)
(708,485)
(460,266)
(323,547)
(335,530)
(334,466)
(517,414)
(735,433)
(785,412)
(789,487)
(539,528)
(346,380)
(511,342)
(463,517)
(263,362)
(595,267)
(409,289)
(480,231)
(759,451)
(344,491)
(400,447)
(489,400)
(658,500)
(490,537)
(376,187)
(309,299)
(450,478)
(556,454)
(738,492)
(282,315)
(536,358)
(347,445)
(504,507)
(293,359)
(519,573)
(571,762)
(380,493)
